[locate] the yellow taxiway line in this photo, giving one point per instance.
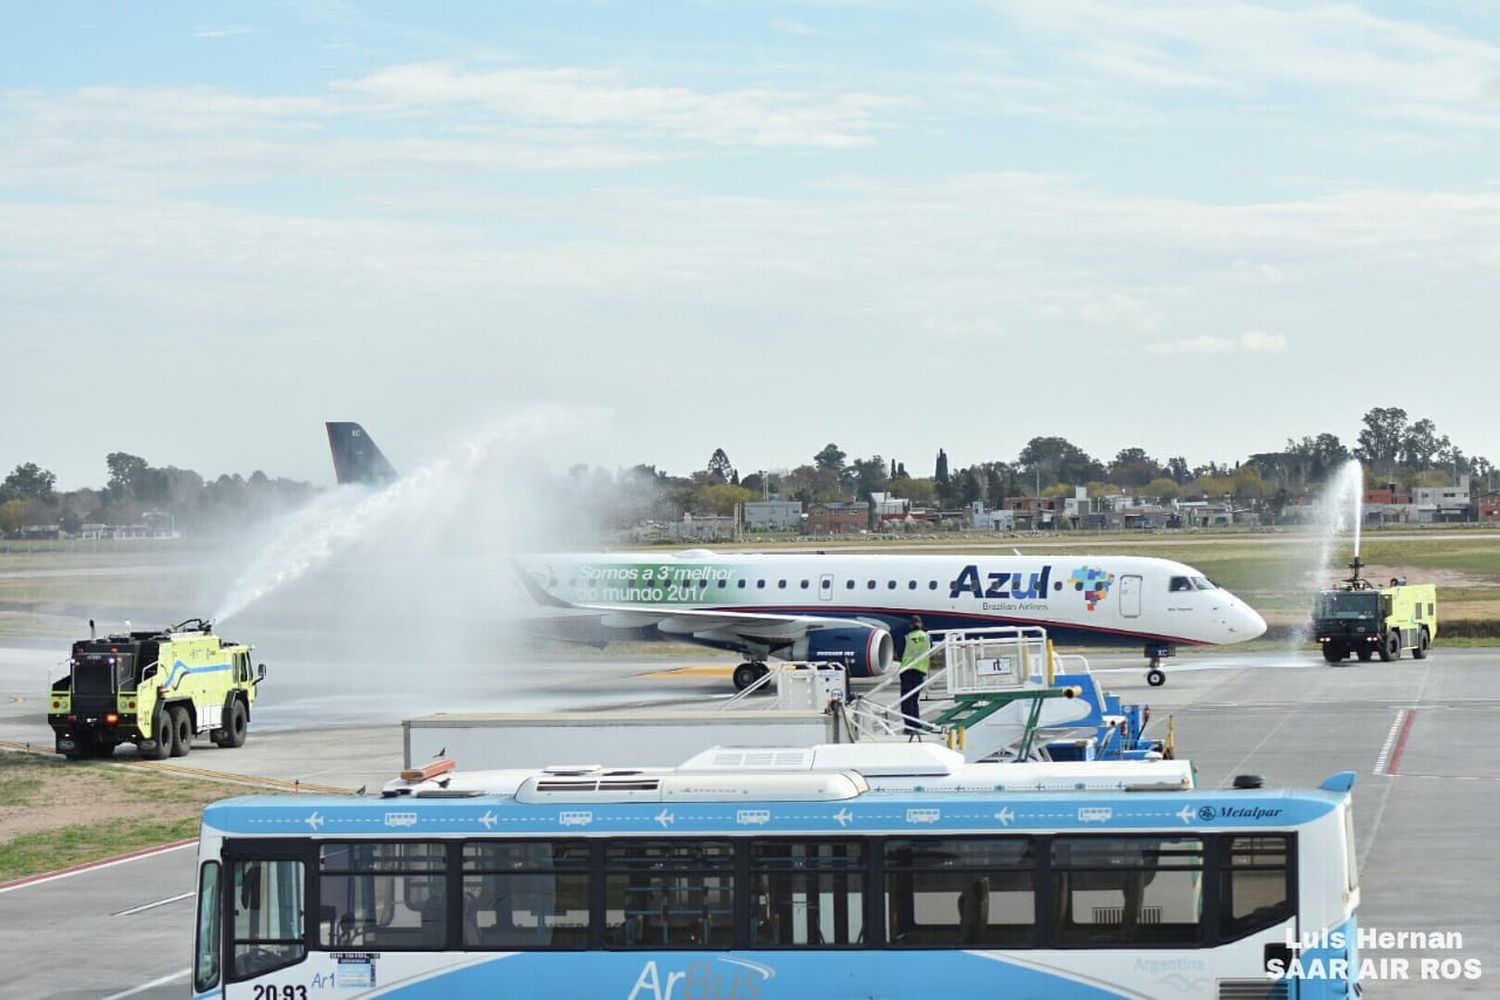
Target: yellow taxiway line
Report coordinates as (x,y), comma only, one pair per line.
(692,670)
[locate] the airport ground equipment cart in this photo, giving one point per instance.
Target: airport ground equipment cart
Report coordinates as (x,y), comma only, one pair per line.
(157,689)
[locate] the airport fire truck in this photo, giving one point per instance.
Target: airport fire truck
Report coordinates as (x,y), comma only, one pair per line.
(156,689)
(1367,620)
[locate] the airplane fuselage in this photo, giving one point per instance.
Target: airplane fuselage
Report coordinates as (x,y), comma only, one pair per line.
(1110,600)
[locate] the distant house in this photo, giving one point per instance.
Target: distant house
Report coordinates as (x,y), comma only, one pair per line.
(1488,506)
(773,515)
(701,528)
(1386,495)
(837,518)
(1204,513)
(990,520)
(890,508)
(1031,513)
(1444,503)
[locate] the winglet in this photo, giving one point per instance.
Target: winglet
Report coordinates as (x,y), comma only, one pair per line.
(534,588)
(356,459)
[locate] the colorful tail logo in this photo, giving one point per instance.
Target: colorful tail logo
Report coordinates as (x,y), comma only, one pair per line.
(1093,582)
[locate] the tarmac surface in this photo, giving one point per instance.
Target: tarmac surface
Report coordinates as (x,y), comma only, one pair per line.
(1424,738)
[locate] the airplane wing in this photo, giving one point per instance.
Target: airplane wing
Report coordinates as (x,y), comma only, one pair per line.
(757,625)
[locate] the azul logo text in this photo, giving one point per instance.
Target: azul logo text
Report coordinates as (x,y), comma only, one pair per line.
(1003,584)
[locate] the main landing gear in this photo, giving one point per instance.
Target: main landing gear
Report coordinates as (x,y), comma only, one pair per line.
(1155,676)
(748,673)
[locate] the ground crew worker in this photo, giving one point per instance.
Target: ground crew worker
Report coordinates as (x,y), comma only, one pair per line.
(914,663)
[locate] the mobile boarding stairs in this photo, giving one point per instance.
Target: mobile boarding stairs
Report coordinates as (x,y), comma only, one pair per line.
(993,693)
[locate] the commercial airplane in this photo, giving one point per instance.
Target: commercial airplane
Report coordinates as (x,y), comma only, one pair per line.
(855,608)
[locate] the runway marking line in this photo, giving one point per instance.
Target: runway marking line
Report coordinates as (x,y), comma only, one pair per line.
(1384,757)
(164,980)
(88,866)
(153,905)
(1395,765)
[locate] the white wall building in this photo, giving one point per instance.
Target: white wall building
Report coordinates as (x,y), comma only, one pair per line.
(773,515)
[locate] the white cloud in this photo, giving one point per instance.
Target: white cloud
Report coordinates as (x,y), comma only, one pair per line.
(1260,342)
(1377,66)
(1195,345)
(1250,342)
(758,116)
(222,31)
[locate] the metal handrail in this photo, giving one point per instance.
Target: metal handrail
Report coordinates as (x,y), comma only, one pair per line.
(772,669)
(887,717)
(776,670)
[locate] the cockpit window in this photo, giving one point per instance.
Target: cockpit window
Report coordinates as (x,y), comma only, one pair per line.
(1204,583)
(1180,583)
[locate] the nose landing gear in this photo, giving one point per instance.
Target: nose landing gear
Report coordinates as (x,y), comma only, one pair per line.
(1155,676)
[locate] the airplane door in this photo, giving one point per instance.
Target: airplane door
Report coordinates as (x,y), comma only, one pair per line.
(825,587)
(1130,597)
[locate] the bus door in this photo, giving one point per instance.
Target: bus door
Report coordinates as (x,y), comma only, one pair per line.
(1130,596)
(825,587)
(263,918)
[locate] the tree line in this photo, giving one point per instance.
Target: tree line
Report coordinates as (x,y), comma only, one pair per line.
(135,489)
(1391,447)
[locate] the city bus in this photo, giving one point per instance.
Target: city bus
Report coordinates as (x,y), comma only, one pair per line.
(856,871)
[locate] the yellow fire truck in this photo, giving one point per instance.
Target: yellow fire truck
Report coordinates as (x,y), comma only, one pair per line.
(156,689)
(1367,620)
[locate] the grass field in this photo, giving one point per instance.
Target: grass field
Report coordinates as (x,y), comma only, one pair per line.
(1276,571)
(55,813)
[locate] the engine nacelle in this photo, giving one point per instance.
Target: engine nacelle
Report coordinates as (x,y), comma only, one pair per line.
(864,650)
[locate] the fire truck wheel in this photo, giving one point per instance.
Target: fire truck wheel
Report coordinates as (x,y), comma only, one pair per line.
(234,735)
(161,728)
(182,732)
(1419,651)
(1390,649)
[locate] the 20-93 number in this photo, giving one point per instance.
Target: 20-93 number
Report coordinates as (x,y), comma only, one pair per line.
(267,991)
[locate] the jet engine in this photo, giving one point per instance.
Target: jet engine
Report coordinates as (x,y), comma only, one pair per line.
(864,650)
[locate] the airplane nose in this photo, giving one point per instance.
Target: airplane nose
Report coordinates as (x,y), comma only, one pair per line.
(1245,622)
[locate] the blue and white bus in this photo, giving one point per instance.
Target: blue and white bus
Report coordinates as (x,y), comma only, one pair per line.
(854,871)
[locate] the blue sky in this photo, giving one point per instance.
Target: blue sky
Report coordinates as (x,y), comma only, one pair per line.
(1197,228)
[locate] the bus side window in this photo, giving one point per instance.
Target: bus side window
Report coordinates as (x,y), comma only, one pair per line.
(1254,884)
(268,909)
(1114,891)
(955,892)
(383,895)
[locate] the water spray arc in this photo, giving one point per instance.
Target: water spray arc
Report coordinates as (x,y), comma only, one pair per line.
(429,499)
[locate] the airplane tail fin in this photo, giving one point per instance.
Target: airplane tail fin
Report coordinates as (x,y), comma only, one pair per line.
(356,459)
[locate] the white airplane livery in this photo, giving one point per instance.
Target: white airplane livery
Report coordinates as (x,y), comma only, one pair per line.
(854,609)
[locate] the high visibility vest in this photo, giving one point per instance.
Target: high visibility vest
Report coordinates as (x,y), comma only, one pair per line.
(918,642)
